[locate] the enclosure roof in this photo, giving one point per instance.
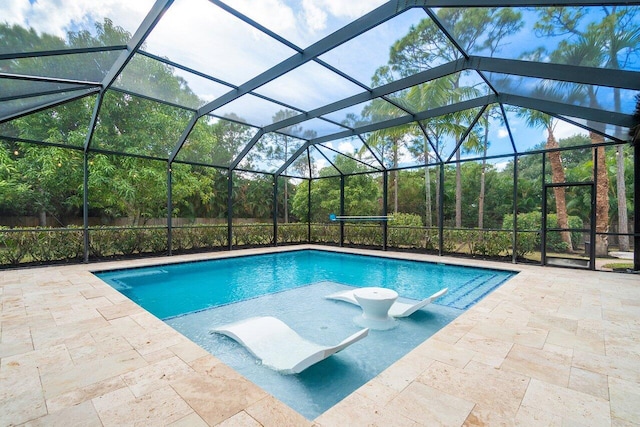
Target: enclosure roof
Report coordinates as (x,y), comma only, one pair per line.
(295,86)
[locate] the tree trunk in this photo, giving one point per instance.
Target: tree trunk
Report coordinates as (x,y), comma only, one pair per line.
(558,177)
(42,218)
(621,191)
(602,196)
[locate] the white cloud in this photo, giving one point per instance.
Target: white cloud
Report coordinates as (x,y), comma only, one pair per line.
(565,130)
(349,9)
(346,147)
(58,16)
(501,165)
(503,133)
(273,14)
(209,40)
(315,18)
(320,163)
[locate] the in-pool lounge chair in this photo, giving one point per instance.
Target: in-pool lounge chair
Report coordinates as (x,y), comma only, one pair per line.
(280,347)
(402,307)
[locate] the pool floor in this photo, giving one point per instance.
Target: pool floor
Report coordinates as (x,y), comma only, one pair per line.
(327,322)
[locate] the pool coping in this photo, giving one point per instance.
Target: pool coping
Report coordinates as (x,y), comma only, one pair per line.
(550,345)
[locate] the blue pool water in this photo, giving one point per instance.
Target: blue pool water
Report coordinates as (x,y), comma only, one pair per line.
(195,297)
(171,290)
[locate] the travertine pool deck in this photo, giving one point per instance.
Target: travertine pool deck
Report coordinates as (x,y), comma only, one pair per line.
(551,346)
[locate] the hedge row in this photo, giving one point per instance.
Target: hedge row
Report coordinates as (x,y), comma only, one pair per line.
(48,244)
(42,245)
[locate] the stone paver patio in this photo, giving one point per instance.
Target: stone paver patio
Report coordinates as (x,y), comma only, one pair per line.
(551,346)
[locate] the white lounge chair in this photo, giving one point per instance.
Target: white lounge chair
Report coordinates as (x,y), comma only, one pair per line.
(280,347)
(400,308)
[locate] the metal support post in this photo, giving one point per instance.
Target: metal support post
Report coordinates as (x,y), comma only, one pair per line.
(385,195)
(309,211)
(169,209)
(275,210)
(514,239)
(230,209)
(341,210)
(636,205)
(441,211)
(85,208)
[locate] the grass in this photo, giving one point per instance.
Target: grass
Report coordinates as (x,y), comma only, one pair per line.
(619,265)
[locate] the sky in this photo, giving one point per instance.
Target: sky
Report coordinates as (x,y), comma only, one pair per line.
(200,35)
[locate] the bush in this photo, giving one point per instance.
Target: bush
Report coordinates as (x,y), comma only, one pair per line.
(363,234)
(529,228)
(52,244)
(14,245)
(325,233)
(110,241)
(154,240)
(489,243)
(292,233)
(252,234)
(40,245)
(199,237)
(453,239)
(102,242)
(406,230)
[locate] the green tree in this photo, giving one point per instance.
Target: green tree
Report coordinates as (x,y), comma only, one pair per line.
(612,42)
(475,30)
(361,192)
(538,119)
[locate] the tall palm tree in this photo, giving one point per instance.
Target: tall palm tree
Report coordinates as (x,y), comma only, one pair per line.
(622,35)
(535,118)
(587,50)
(439,129)
(612,42)
(474,29)
(435,93)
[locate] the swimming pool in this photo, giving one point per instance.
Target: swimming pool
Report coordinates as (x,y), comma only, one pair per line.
(195,297)
(175,289)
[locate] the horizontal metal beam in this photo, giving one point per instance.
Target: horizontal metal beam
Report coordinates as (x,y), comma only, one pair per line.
(580,75)
(152,99)
(48,105)
(561,72)
(576,111)
(44,79)
(517,3)
(401,84)
(59,52)
(41,93)
(185,68)
(440,111)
